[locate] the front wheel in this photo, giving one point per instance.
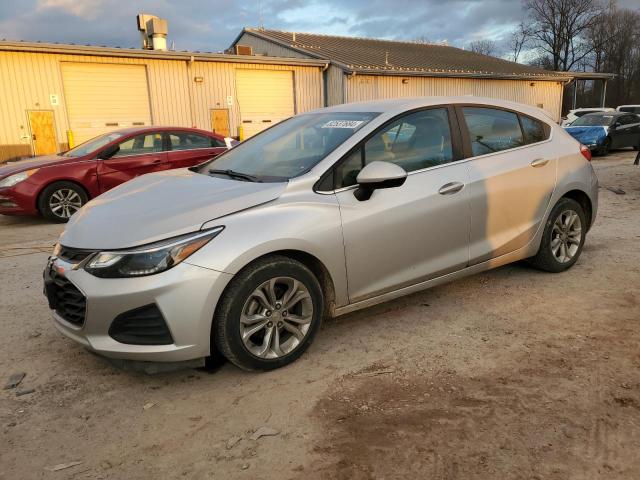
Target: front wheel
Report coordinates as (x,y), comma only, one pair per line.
(269,314)
(60,200)
(563,237)
(605,148)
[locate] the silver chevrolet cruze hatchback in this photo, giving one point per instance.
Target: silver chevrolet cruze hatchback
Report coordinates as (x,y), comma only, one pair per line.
(323,214)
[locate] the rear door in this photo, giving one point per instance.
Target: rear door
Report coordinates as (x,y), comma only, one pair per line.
(418,231)
(186,149)
(512,174)
(136,156)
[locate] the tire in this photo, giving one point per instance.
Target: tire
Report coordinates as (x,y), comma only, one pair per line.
(248,303)
(605,148)
(556,262)
(60,200)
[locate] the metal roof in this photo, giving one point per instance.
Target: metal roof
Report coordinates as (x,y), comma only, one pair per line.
(387,57)
(71,49)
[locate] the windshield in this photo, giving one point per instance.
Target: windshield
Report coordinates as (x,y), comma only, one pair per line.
(290,148)
(593,121)
(92,145)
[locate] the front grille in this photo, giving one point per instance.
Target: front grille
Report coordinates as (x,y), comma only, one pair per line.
(66,299)
(141,326)
(73,255)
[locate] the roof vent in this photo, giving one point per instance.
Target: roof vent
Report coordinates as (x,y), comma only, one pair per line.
(244,50)
(153,31)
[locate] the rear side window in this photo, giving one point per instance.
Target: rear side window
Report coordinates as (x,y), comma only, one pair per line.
(534,130)
(492,130)
(191,141)
(630,109)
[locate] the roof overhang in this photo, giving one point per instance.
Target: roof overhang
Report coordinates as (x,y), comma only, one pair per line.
(552,77)
(62,49)
(564,77)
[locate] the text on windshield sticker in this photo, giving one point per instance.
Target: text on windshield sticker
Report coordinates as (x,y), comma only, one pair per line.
(343,124)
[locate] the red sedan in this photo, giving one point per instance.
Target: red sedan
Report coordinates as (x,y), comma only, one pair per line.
(56,186)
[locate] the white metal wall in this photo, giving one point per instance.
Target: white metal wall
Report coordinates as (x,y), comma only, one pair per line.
(28,80)
(544,94)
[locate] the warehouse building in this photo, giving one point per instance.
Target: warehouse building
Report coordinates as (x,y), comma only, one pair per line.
(368,69)
(55,95)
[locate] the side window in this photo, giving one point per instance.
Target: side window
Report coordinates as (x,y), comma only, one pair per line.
(416,141)
(191,141)
(492,130)
(348,169)
(141,144)
(534,130)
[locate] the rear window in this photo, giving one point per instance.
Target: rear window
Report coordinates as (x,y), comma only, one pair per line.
(594,120)
(582,113)
(492,130)
(630,109)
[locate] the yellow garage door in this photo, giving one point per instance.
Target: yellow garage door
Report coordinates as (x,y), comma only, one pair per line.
(104,97)
(265,97)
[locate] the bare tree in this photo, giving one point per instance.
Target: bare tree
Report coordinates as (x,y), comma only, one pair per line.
(518,40)
(558,29)
(483,47)
(422,39)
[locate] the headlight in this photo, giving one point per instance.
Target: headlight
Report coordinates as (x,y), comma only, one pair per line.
(148,259)
(11,180)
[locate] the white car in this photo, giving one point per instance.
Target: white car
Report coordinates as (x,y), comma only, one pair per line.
(629,109)
(576,113)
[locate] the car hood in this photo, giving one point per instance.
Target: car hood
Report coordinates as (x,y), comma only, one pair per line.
(27,164)
(161,205)
(588,135)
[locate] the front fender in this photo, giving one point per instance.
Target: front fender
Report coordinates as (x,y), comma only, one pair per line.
(311,225)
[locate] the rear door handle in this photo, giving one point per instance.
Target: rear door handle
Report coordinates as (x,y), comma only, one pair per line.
(451,188)
(539,162)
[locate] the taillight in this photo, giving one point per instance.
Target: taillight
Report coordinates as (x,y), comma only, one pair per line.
(586,153)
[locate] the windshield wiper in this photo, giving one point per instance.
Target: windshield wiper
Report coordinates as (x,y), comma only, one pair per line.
(233,174)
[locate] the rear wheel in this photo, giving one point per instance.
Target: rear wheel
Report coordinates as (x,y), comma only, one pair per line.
(60,200)
(269,314)
(563,237)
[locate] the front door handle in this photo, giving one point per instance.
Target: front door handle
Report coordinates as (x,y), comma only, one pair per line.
(539,162)
(451,188)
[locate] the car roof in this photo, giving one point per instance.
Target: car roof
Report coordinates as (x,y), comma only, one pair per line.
(400,105)
(162,128)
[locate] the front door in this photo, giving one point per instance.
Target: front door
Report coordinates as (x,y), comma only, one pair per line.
(43,132)
(512,176)
(408,234)
(136,156)
(220,121)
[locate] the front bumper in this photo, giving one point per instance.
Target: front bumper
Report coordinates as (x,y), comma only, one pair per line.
(186,295)
(19,199)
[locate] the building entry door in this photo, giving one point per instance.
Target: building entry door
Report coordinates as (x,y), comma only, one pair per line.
(43,132)
(220,121)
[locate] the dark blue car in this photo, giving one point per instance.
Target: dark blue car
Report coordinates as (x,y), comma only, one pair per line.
(603,131)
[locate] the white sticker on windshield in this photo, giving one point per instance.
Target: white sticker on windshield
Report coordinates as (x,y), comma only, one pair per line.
(343,124)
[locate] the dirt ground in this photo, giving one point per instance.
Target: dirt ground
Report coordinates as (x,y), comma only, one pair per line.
(510,374)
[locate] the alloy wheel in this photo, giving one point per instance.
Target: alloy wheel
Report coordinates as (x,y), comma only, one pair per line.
(566,236)
(65,202)
(276,317)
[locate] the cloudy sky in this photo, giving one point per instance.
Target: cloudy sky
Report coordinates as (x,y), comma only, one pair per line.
(212,25)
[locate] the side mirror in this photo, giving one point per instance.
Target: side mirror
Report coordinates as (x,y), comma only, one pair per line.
(378,175)
(109,152)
